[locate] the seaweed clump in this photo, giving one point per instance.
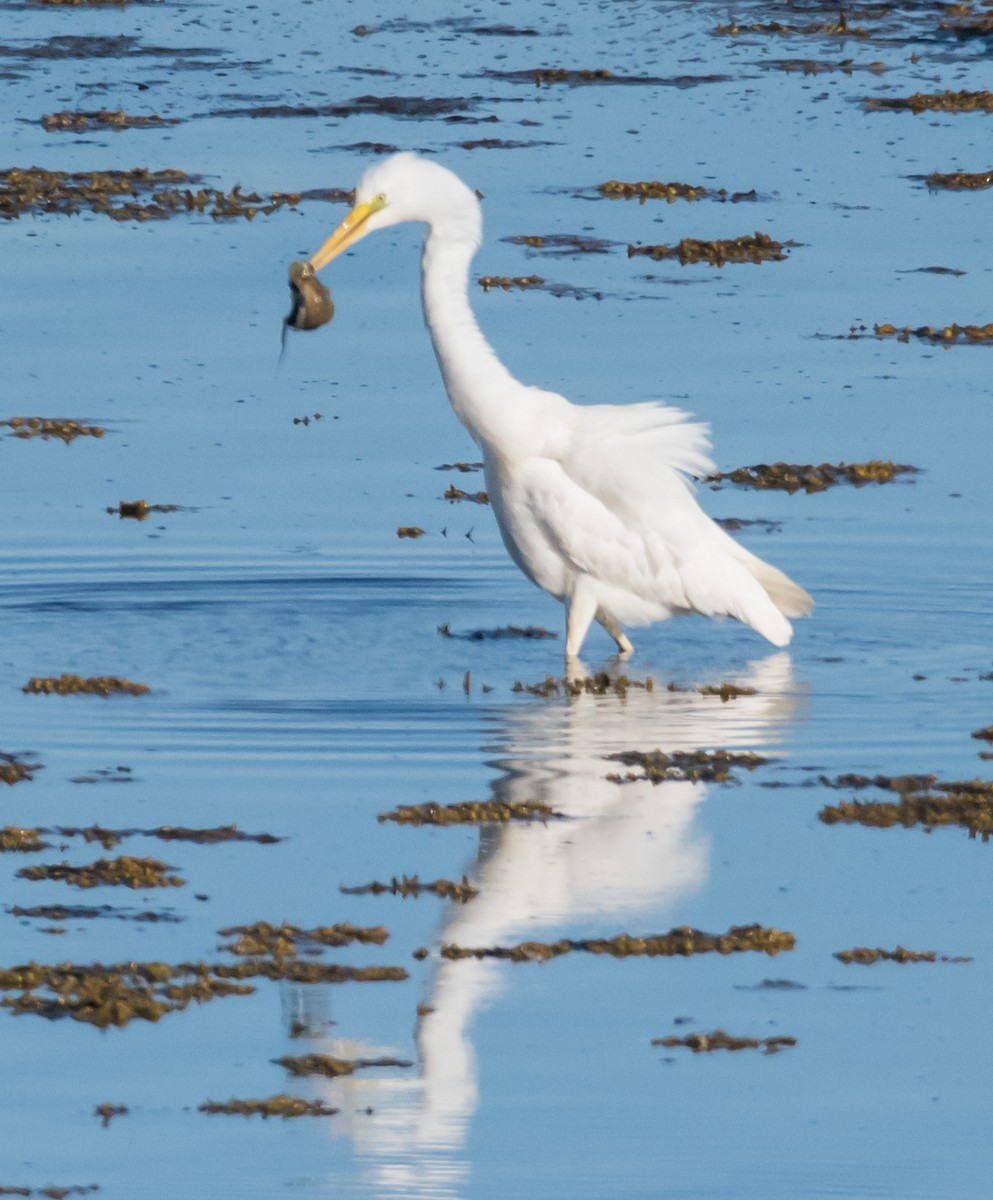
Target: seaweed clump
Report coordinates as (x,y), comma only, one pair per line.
(332,1068)
(27,841)
(922,801)
(959,181)
(470,812)
(411,886)
(107,1112)
(948,101)
(135,195)
(502,631)
(273,1106)
(839,28)
(708,766)
(702,1043)
(117,119)
(756,248)
(140,510)
(453,493)
(600,684)
(110,995)
(16,770)
(864,956)
(506,282)
(76,685)
(651,189)
(280,941)
(946,335)
(49,427)
(681,942)
(125,871)
(726,691)
(793,477)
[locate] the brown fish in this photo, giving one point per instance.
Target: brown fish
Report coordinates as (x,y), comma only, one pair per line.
(312,305)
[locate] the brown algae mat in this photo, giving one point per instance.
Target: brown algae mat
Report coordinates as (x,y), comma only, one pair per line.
(755,248)
(410,886)
(710,766)
(864,956)
(107,1112)
(13,838)
(77,685)
(134,195)
(452,493)
(70,121)
(125,871)
(838,28)
(332,1068)
(600,684)
(919,102)
(47,428)
(681,943)
(506,282)
(16,770)
(114,995)
(502,631)
(960,181)
(470,812)
(704,1043)
(794,477)
(273,1106)
(653,189)
(281,941)
(923,801)
(140,510)
(944,335)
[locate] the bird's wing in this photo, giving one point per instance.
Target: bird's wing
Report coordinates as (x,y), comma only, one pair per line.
(614,494)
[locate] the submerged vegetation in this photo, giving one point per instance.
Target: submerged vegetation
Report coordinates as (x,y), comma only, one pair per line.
(950,102)
(125,871)
(50,427)
(77,685)
(755,248)
(273,1106)
(411,886)
(793,477)
(681,943)
(703,1043)
(600,684)
(69,121)
(923,800)
(708,766)
(16,770)
(471,812)
(135,195)
(945,335)
(863,956)
(332,1068)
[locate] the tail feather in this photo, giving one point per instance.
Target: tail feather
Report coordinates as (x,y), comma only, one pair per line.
(788,597)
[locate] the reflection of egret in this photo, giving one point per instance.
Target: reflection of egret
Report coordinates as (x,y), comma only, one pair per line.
(627,853)
(594,503)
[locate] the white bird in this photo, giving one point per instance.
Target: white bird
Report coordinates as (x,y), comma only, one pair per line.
(595,502)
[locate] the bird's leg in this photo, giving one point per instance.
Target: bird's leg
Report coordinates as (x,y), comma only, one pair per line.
(624,647)
(581,608)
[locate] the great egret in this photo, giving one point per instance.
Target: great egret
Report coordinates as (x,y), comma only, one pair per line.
(595,503)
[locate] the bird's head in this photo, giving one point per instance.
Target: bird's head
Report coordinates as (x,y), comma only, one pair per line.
(404,187)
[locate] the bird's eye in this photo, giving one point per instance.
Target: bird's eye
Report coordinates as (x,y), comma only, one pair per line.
(379,201)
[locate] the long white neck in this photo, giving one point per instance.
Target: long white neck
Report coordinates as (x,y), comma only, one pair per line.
(485,396)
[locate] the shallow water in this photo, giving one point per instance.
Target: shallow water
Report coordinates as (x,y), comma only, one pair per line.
(300,686)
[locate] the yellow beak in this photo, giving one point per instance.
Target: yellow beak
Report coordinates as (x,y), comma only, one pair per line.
(347,233)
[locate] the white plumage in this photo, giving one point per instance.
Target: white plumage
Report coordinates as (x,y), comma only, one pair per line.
(595,503)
